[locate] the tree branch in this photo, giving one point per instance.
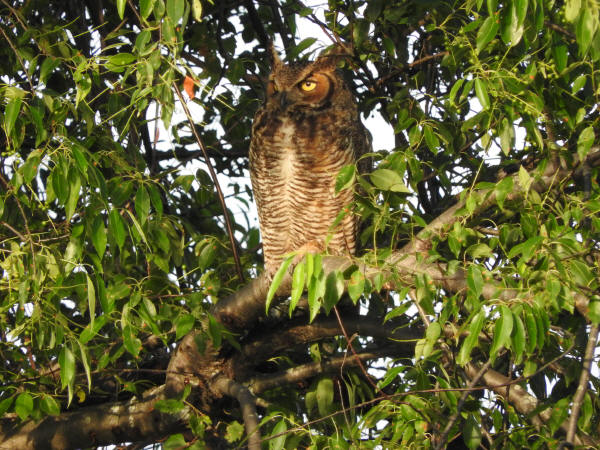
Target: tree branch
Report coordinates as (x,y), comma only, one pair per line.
(248,406)
(303,372)
(104,424)
(463,398)
(523,402)
(583,383)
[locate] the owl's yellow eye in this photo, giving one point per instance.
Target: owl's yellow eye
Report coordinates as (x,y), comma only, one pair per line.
(308,85)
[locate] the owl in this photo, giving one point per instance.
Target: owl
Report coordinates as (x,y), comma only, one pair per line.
(305,132)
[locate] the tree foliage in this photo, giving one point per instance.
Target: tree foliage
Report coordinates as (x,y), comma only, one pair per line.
(131,311)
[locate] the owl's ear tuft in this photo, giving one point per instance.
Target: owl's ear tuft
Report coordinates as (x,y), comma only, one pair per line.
(328,60)
(275,60)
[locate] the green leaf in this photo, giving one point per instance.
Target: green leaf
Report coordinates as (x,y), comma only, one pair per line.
(142,204)
(502,332)
(30,167)
(474,280)
(360,32)
(48,66)
(5,405)
(325,396)
(175,9)
(197,10)
(356,285)
(487,32)
(560,412)
(507,136)
(334,288)
(99,236)
(518,340)
(74,189)
(525,179)
(86,365)
(316,290)
(432,140)
(302,45)
(169,405)
(183,325)
(345,178)
(79,152)
(235,431)
(572,10)
(24,405)
(502,189)
(472,339)
(146,7)
(480,250)
(585,142)
(155,199)
(215,331)
(11,113)
(594,312)
(578,84)
(482,95)
(455,89)
(472,432)
(561,56)
(91,294)
(388,180)
(121,8)
(277,279)
(66,361)
(531,327)
(526,248)
(49,406)
(298,280)
(130,341)
(91,330)
(116,227)
(137,226)
(175,442)
(585,29)
(279,442)
(120,61)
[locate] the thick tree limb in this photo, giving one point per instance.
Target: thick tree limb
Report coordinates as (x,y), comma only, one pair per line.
(273,342)
(248,406)
(99,425)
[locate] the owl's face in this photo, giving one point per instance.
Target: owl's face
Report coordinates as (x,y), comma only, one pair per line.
(310,85)
(312,90)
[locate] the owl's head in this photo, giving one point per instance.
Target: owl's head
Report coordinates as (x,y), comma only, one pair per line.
(305,85)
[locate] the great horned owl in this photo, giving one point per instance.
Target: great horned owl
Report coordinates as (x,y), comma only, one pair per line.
(306,131)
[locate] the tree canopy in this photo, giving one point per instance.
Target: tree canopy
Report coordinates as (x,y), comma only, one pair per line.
(133,308)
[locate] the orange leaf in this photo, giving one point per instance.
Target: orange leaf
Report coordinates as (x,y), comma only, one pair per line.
(189,86)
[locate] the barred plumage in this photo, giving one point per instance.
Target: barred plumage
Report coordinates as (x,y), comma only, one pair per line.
(307,130)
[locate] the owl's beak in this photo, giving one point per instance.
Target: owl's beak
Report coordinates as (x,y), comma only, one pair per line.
(283,101)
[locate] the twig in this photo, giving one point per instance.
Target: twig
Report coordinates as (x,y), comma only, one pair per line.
(442,441)
(300,373)
(583,383)
(559,29)
(19,235)
(418,62)
(213,175)
(18,56)
(358,360)
(248,406)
